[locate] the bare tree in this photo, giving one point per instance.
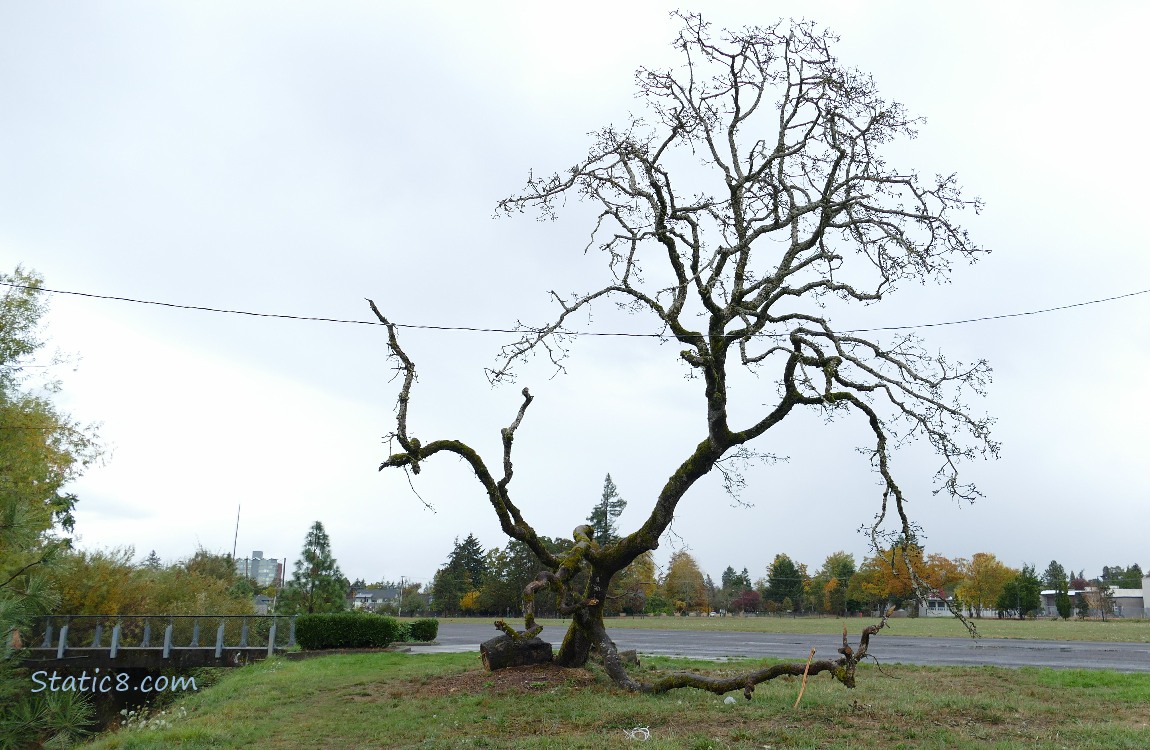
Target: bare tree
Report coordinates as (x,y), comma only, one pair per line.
(801,210)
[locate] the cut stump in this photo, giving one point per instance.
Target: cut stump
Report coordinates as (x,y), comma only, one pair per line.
(501,652)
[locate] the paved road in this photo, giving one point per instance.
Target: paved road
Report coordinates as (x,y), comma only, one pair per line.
(890,649)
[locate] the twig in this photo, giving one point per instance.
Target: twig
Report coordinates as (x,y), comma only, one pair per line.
(803,687)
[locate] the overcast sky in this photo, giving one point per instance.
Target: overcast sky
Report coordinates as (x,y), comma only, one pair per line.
(296,158)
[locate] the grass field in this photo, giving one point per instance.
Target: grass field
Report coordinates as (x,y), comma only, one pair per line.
(385,700)
(1123,630)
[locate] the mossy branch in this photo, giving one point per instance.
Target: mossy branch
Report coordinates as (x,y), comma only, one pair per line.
(841,669)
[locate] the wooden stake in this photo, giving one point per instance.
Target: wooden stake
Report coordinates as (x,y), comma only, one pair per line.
(803,687)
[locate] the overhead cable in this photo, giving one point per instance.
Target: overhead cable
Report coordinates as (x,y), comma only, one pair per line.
(474,329)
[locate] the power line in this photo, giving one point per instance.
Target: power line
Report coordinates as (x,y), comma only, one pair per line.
(474,329)
(1000,317)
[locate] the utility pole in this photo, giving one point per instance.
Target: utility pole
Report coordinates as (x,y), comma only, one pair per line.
(236,538)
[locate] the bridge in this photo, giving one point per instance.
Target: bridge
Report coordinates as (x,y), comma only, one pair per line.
(155,641)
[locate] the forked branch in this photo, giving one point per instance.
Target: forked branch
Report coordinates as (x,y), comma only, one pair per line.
(414,451)
(841,669)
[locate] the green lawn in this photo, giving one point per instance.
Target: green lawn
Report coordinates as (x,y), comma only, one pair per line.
(1125,630)
(385,700)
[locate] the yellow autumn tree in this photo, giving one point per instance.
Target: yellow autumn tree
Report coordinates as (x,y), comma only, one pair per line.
(684,583)
(630,589)
(984,578)
(469,602)
(882,579)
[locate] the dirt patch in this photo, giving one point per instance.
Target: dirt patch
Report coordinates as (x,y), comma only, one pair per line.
(532,678)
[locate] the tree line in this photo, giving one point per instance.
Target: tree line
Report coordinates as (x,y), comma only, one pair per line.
(474,581)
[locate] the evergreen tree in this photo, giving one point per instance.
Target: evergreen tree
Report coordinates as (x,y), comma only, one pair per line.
(784,582)
(734,585)
(1082,606)
(1062,604)
(1055,576)
(468,556)
(1021,594)
(448,587)
(605,512)
(1057,579)
(728,578)
(464,573)
(1123,578)
(1112,574)
(713,597)
(736,582)
(317,585)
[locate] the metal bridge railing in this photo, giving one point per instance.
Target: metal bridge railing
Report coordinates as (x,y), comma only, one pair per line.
(163,632)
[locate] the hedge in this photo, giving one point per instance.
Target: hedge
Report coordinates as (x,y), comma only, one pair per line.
(346,630)
(424,630)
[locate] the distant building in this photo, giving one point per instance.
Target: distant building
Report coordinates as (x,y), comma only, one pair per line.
(373,599)
(936,605)
(1126,602)
(263,570)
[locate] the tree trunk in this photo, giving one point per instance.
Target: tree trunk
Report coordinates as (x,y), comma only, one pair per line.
(502,651)
(576,648)
(583,635)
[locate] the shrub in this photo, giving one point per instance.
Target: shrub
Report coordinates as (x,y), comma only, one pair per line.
(345,630)
(424,630)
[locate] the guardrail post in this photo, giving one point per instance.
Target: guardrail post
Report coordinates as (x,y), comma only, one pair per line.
(195,632)
(291,633)
(272,638)
(63,642)
(168,640)
(47,634)
(220,640)
(98,634)
(244,634)
(115,641)
(147,633)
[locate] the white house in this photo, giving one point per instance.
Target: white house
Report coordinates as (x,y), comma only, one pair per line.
(373,599)
(935,606)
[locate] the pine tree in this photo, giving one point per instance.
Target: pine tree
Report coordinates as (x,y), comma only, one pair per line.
(465,572)
(1062,604)
(606,511)
(468,556)
(784,582)
(153,561)
(1056,578)
(728,577)
(317,585)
